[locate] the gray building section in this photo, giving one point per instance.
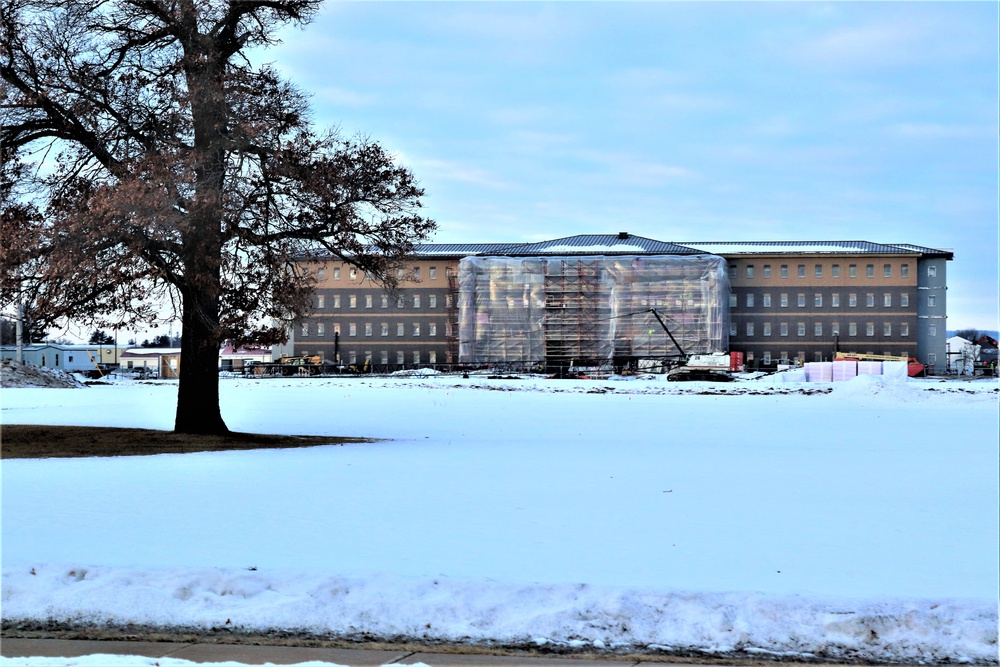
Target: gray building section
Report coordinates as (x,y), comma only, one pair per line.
(932,312)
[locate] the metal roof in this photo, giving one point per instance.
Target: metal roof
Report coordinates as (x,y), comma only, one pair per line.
(622,243)
(814,247)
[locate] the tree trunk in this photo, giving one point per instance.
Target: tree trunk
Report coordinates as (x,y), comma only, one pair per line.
(198,409)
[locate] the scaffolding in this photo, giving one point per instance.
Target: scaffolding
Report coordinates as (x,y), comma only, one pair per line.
(590,310)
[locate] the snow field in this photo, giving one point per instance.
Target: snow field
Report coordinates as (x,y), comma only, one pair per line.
(856,524)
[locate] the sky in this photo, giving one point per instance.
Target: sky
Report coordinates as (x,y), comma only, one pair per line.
(680,121)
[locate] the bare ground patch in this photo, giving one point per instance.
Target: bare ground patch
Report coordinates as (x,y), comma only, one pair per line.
(24,441)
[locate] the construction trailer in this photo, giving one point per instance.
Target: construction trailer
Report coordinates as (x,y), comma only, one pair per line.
(560,312)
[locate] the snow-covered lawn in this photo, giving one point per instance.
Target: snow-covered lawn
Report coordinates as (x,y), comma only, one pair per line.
(634,514)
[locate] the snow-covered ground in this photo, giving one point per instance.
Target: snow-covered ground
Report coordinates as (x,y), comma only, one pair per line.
(859,522)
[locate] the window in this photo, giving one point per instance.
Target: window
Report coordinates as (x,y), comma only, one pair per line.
(354,274)
(887,270)
(447,300)
(767,300)
(835,270)
(320,301)
(353,301)
(801,302)
(385,301)
(904,329)
(767,270)
(784,301)
(399,329)
(931,357)
(904,270)
(887,300)
(818,300)
(352,329)
(399,301)
(352,358)
(767,357)
(416,300)
(870,329)
(801,329)
(368,300)
(320,275)
(416,329)
(802,270)
(385,329)
(448,329)
(432,301)
(870,270)
(904,300)
(368,329)
(400,359)
(749,328)
(835,300)
(869,300)
(368,357)
(819,271)
(749,300)
(432,273)
(320,329)
(384,357)
(432,357)
(336,273)
(784,270)
(732,270)
(852,270)
(932,271)
(931,300)
(852,328)
(852,300)
(732,328)
(886,329)
(416,356)
(336,301)
(818,329)
(432,329)
(932,330)
(835,329)
(305,329)
(749,270)
(336,328)
(767,328)
(416,274)
(732,300)
(400,274)
(784,328)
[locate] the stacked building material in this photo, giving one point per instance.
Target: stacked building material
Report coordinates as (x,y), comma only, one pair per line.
(819,371)
(844,370)
(869,368)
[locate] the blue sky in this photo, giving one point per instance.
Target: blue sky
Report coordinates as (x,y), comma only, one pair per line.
(680,121)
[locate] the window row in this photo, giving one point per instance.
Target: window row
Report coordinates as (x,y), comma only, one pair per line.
(401,273)
(818,269)
(751,329)
(801,299)
(785,357)
(369,329)
(369,301)
(416,357)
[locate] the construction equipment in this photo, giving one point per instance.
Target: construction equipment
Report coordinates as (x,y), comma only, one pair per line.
(714,367)
(913,367)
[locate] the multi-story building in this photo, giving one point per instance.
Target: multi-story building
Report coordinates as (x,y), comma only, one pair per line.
(788,301)
(798,302)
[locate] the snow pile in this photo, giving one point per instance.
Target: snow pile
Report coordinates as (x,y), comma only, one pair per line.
(13,374)
(416,372)
(480,611)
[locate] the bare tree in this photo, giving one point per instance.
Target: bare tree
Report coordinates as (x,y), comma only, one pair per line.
(145,159)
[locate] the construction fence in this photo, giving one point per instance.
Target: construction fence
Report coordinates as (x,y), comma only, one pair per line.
(566,310)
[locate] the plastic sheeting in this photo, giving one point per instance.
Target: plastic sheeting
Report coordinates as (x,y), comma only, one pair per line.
(590,309)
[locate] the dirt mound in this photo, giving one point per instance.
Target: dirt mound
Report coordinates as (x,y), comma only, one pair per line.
(13,374)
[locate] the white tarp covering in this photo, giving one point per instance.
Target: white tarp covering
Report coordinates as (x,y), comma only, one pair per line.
(590,309)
